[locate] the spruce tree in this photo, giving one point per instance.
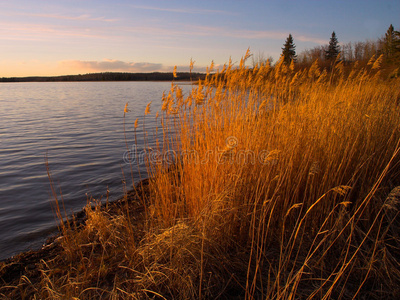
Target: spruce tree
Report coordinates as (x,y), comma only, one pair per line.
(289,50)
(333,48)
(391,44)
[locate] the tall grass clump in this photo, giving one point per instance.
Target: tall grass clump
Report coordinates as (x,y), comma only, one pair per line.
(284,175)
(275,183)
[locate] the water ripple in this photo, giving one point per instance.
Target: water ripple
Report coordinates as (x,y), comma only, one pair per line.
(79,127)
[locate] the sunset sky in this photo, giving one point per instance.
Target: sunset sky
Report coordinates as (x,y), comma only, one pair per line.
(76,37)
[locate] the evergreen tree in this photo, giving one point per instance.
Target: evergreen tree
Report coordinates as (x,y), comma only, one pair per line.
(289,50)
(333,48)
(391,44)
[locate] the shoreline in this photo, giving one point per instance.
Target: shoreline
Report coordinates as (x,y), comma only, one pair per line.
(109,76)
(26,263)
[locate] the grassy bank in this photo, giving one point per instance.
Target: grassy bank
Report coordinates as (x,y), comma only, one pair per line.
(283,185)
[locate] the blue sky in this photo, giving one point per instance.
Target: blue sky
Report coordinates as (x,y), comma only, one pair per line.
(71,37)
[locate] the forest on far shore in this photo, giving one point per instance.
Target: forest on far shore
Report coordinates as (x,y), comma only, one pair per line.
(109,76)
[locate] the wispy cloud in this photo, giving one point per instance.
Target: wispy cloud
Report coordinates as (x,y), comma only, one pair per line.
(236,33)
(41,32)
(16,30)
(111,65)
(184,30)
(185,10)
(304,38)
(82,17)
(251,34)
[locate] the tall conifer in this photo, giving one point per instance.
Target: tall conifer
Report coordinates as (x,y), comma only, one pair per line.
(333,48)
(289,50)
(391,44)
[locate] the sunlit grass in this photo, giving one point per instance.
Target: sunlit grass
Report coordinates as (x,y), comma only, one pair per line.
(278,189)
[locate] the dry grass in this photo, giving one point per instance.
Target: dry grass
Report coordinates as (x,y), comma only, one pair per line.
(283,186)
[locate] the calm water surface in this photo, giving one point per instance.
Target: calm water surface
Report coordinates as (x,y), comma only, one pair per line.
(79,126)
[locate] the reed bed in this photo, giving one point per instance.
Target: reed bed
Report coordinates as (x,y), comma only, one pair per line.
(275,183)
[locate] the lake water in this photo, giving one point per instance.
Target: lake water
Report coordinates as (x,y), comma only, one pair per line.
(79,126)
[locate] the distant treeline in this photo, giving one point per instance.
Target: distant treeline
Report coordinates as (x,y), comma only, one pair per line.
(383,52)
(109,76)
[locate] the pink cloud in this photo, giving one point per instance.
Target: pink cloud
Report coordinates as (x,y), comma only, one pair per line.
(83,17)
(110,65)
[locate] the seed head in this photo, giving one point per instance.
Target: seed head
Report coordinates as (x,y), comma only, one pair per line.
(147,111)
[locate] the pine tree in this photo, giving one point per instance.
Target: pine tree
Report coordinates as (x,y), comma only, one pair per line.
(391,44)
(333,48)
(289,50)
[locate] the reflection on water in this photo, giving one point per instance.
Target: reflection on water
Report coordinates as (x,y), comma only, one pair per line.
(79,127)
